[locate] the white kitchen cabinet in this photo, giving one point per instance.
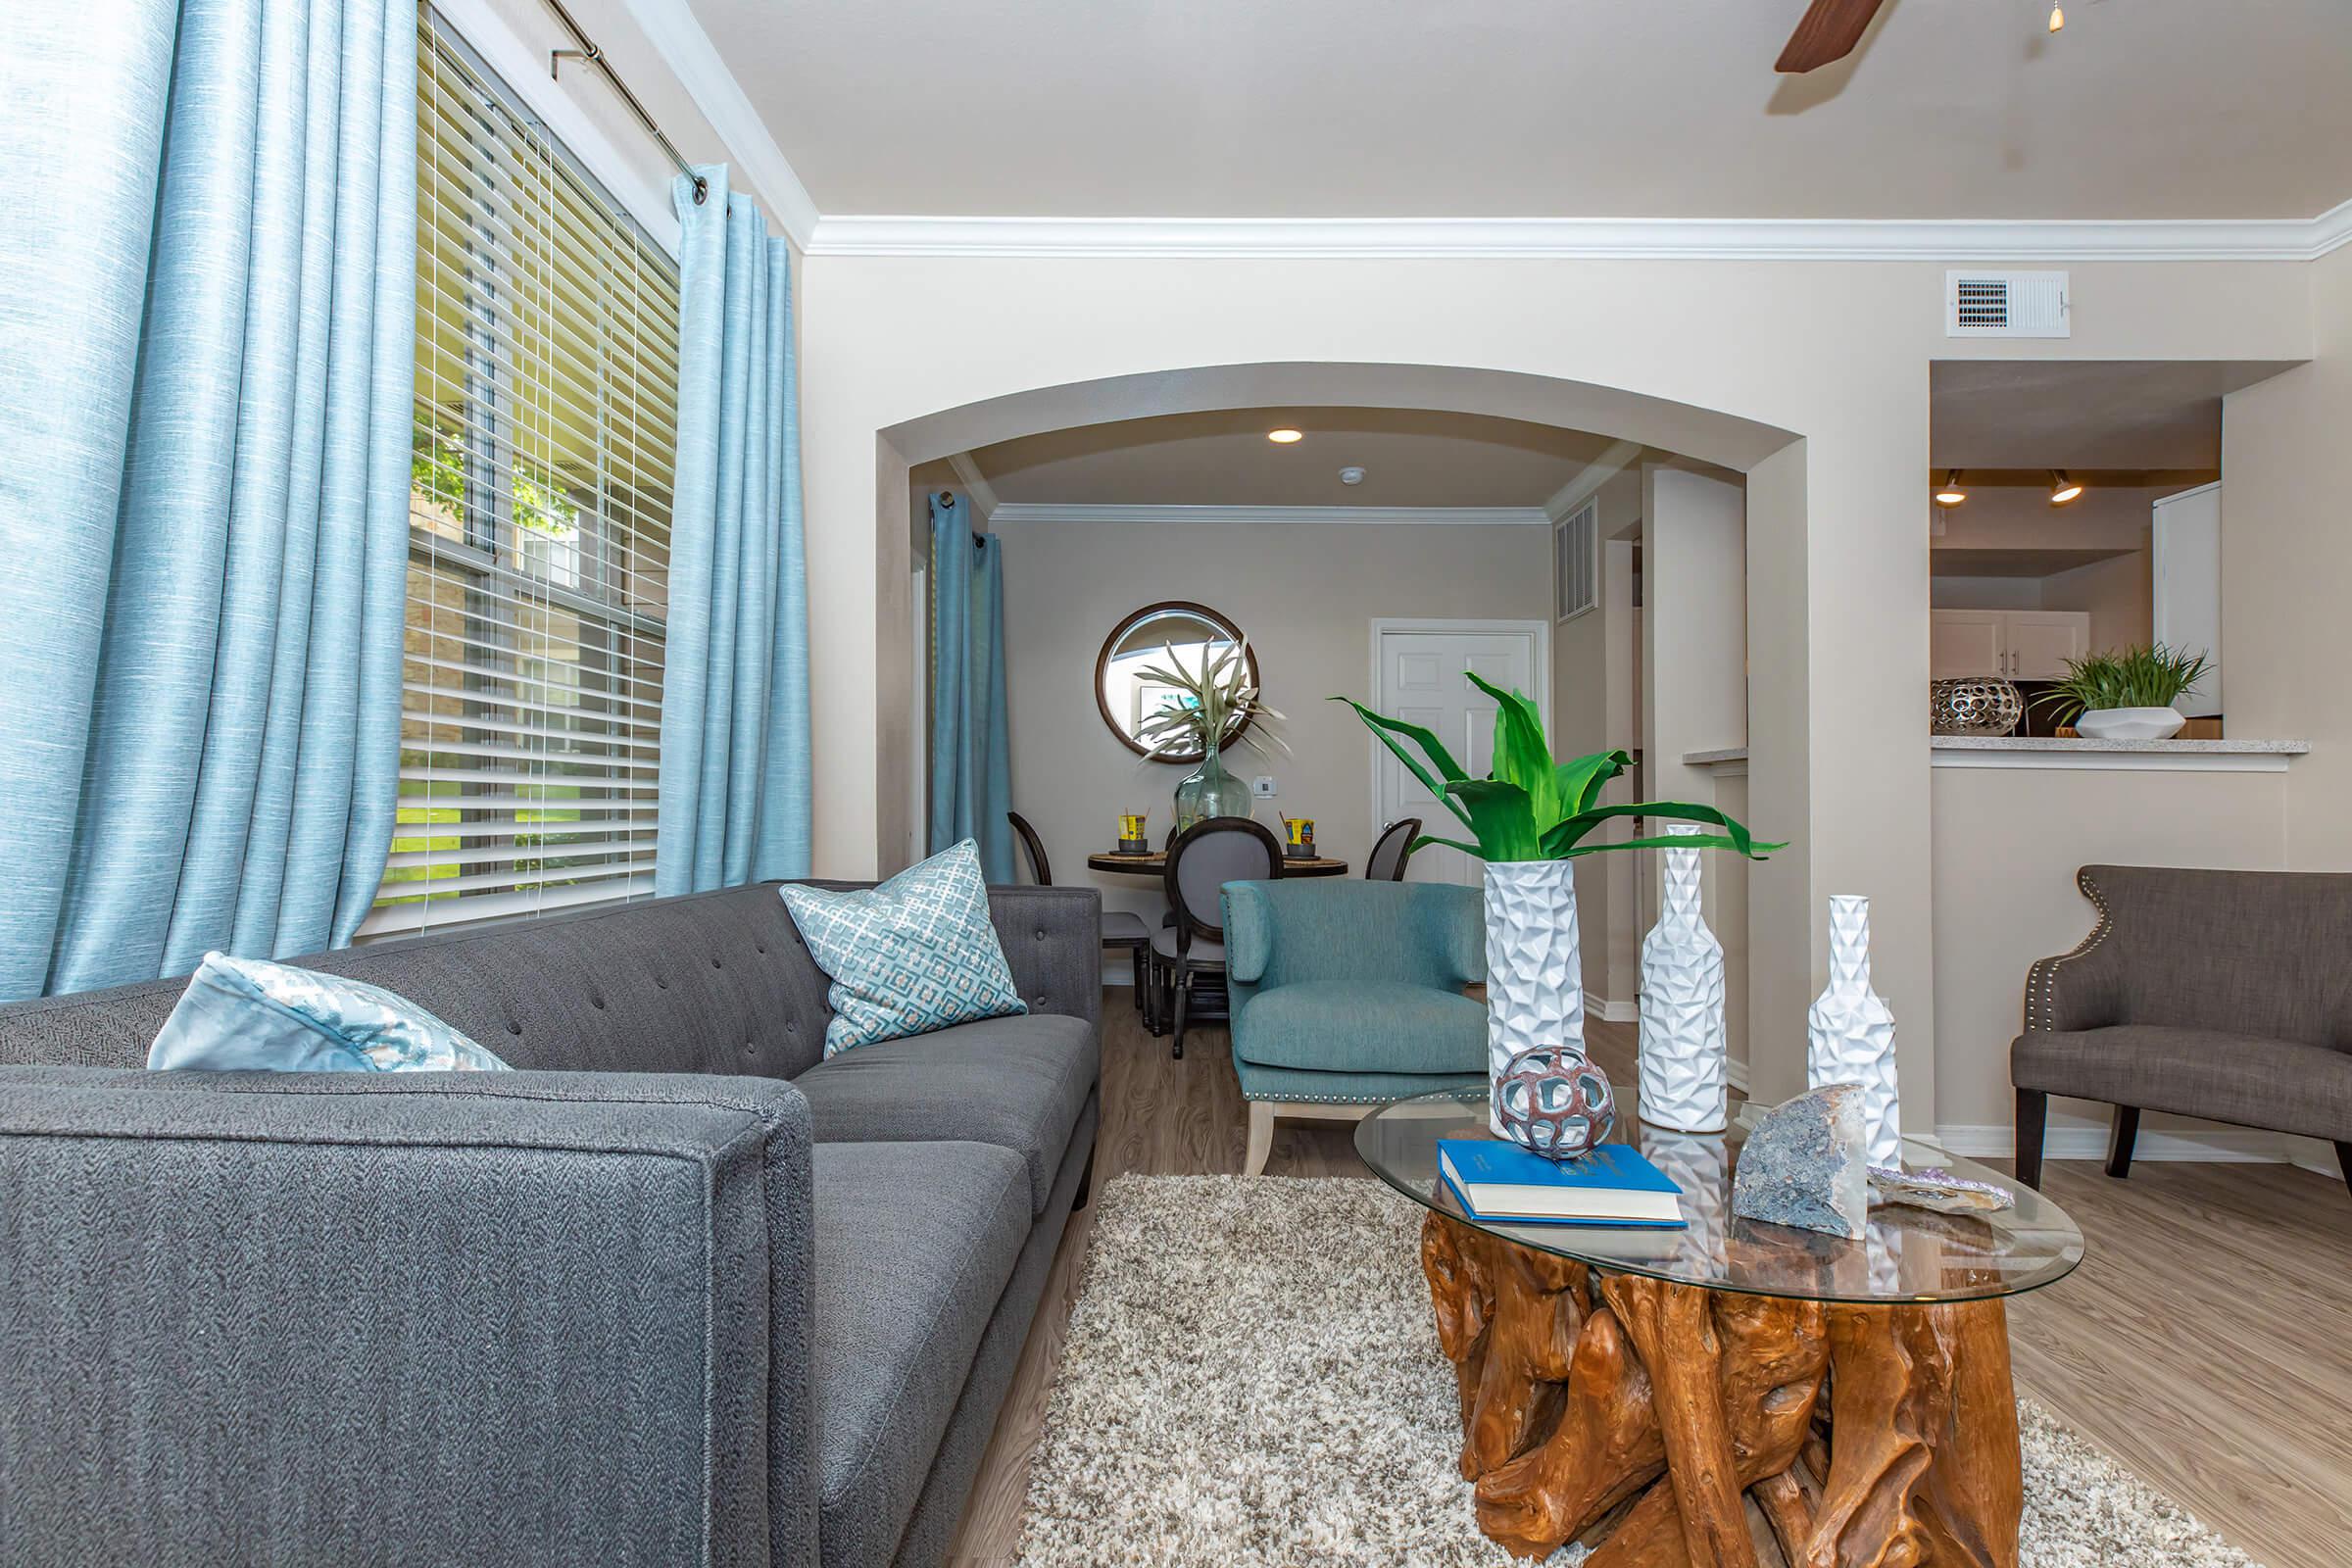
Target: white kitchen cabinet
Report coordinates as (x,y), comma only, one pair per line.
(2013,644)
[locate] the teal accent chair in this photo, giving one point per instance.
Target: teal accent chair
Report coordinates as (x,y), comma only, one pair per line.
(1348,995)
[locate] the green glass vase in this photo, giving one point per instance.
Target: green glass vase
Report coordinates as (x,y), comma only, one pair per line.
(1210,791)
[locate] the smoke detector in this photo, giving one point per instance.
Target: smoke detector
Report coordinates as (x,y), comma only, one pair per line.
(1351,474)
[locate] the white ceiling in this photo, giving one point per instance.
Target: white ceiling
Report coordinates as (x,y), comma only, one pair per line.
(1411,457)
(2140,109)
(2082,413)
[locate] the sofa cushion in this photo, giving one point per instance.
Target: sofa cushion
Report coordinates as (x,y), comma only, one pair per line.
(1017,1083)
(1362,1026)
(914,1243)
(2276,1084)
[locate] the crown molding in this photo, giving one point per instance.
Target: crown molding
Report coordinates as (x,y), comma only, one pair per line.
(1447,517)
(975,483)
(1966,240)
(1613,461)
(678,37)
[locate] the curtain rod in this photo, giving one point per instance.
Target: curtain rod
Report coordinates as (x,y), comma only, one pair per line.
(589,52)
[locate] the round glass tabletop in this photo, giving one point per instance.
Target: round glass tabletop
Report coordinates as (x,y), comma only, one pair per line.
(1909,1254)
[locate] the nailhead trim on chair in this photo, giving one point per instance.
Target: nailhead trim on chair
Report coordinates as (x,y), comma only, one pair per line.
(2041,981)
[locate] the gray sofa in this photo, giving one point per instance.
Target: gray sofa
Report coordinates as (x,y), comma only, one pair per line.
(2226,995)
(677,1293)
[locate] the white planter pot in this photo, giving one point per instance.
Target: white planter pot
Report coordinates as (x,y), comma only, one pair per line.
(1534,974)
(1683,1050)
(1850,1033)
(2127,724)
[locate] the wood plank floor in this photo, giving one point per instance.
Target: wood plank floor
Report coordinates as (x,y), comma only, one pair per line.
(2206,1341)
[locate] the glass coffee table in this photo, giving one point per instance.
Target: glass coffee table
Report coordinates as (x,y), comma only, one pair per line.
(1630,1388)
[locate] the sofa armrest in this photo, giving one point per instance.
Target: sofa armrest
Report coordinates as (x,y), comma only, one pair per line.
(483,1317)
(2082,989)
(1053,940)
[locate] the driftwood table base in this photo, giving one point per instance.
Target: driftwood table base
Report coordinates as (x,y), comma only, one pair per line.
(1645,1417)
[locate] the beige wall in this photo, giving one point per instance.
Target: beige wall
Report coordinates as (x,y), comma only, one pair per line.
(2286,561)
(2007,843)
(1591,686)
(1836,353)
(1305,593)
(2120,596)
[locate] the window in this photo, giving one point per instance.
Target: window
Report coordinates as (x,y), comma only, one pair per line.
(539,521)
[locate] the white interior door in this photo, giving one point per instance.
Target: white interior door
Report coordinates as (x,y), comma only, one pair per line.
(1418,677)
(2189,587)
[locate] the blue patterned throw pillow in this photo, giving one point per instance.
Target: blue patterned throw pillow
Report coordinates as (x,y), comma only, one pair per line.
(913,955)
(242,1014)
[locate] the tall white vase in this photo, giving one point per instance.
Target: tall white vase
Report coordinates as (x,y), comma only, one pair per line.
(1850,1033)
(1534,975)
(1683,1050)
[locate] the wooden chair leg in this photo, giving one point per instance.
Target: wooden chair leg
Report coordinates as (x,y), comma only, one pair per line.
(1184,989)
(1261,1137)
(2120,1137)
(2033,1118)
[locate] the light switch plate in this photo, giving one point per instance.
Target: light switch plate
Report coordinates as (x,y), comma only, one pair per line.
(1263,786)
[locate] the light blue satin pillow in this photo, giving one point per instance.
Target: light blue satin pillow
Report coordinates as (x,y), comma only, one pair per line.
(917,954)
(245,1014)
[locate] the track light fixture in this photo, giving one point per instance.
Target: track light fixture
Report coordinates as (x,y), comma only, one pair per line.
(2062,489)
(1949,493)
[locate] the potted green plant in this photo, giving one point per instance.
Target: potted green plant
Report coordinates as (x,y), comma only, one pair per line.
(1529,820)
(2126,694)
(1211,704)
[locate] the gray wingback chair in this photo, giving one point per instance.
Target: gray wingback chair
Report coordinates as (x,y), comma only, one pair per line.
(2226,995)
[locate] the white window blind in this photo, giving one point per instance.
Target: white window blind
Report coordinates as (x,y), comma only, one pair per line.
(539,521)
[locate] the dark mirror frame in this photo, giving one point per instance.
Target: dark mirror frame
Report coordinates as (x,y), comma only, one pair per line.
(1118,633)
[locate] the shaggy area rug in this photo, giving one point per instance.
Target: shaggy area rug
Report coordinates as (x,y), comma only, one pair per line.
(1252,1378)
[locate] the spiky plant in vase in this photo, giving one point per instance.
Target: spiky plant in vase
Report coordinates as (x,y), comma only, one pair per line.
(1214,704)
(1530,820)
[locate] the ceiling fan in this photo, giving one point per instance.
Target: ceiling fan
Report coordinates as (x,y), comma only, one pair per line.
(1828,31)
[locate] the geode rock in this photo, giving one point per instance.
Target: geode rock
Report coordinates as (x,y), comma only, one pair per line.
(1939,1189)
(1806,1164)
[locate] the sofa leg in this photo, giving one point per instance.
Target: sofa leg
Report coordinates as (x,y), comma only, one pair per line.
(2343,1159)
(2120,1139)
(2033,1116)
(1086,1183)
(1261,1138)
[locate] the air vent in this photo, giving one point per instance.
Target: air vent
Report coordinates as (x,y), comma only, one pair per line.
(2006,305)
(1575,563)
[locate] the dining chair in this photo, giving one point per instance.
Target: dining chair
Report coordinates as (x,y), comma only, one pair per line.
(1390,850)
(1122,929)
(1201,859)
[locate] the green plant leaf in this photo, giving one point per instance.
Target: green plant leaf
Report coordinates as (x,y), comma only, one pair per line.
(1427,839)
(1522,757)
(1680,841)
(1565,840)
(1386,729)
(1582,778)
(1501,816)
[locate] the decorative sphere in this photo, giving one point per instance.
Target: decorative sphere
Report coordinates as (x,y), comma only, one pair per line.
(1553,1102)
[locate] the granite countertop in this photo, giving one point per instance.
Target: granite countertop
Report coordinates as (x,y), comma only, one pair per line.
(2056,743)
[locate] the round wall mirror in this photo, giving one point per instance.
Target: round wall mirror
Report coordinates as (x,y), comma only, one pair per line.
(1128,693)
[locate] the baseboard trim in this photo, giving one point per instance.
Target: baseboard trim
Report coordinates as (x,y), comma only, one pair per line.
(2219,1146)
(1609,1011)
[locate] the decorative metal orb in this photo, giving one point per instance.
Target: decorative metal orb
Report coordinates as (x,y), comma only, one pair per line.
(1973,706)
(1553,1102)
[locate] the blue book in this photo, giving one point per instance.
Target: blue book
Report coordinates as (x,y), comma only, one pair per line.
(1613,1185)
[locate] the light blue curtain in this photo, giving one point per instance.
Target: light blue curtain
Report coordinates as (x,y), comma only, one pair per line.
(207,368)
(971,744)
(735,767)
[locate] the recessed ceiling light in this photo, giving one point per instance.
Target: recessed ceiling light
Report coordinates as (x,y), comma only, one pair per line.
(1284,437)
(1949,493)
(2062,489)
(1351,474)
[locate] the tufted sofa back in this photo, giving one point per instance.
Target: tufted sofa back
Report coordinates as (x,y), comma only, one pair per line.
(709,982)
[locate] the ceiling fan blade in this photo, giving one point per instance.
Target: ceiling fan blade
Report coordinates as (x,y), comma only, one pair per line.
(1828,30)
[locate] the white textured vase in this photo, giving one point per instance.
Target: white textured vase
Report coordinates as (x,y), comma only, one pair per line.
(1684,1050)
(1702,1166)
(1850,1033)
(1534,976)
